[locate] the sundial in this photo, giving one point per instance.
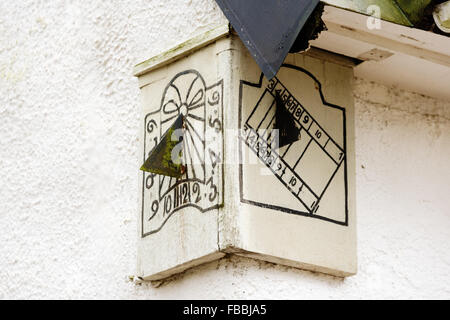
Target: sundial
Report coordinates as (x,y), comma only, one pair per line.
(305,167)
(192,177)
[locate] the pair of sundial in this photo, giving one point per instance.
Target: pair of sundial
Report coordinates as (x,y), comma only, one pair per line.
(285,195)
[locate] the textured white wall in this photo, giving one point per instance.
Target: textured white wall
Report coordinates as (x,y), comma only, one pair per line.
(69,111)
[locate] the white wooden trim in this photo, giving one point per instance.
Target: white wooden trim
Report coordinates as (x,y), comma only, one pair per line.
(181,50)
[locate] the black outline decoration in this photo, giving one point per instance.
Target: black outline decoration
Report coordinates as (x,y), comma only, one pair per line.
(194,188)
(266,146)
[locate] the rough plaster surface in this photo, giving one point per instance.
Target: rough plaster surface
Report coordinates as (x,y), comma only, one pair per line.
(69,111)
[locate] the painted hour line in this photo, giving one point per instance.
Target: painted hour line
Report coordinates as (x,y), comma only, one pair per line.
(291,164)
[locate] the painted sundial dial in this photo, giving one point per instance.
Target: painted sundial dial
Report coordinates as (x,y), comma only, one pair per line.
(307,175)
(200,144)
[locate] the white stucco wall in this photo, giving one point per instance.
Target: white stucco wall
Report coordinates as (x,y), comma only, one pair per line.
(69,111)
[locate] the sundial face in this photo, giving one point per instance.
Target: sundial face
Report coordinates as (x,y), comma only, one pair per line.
(307,177)
(200,187)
